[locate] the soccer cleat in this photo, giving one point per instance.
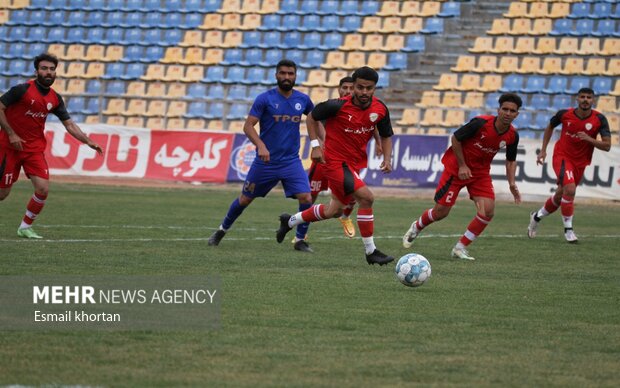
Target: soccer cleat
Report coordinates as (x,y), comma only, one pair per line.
(284,228)
(294,240)
(411,234)
(531,228)
(570,236)
(347,226)
(303,246)
(216,237)
(378,257)
(461,253)
(27,233)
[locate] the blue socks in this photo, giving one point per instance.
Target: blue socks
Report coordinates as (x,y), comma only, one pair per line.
(234,212)
(302,229)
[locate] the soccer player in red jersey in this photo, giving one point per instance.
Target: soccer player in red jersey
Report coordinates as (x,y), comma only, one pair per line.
(571,155)
(349,126)
(467,163)
(23,112)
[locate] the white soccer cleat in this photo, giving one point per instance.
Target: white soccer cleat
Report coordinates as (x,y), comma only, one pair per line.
(461,253)
(570,236)
(411,234)
(531,228)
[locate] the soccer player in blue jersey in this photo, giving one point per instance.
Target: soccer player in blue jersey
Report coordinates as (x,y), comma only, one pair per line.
(278,112)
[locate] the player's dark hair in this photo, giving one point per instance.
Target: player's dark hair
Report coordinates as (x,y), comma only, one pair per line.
(286,63)
(585,91)
(366,73)
(345,80)
(45,57)
(510,97)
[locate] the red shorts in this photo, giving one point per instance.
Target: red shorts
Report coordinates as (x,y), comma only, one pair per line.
(566,172)
(11,162)
(449,187)
(342,180)
(317,178)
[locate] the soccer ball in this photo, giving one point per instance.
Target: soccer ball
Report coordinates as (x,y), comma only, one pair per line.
(413,270)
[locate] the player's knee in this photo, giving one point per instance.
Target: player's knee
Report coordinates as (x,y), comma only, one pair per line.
(305,198)
(42,191)
(569,191)
(245,200)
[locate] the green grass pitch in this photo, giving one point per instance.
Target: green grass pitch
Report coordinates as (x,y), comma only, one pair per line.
(525,313)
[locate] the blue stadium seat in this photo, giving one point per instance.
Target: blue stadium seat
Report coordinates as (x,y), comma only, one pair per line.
(556,85)
(55,18)
(251,39)
(523,120)
(561,27)
(18,67)
(192,21)
(272,57)
(35,33)
(602,85)
(15,34)
(616,13)
(238,92)
(296,56)
(252,57)
(350,24)
(74,5)
(154,6)
(302,75)
(577,82)
(152,19)
(291,40)
(131,36)
(198,6)
(170,5)
(541,120)
(134,6)
(75,18)
(537,101)
(133,53)
(36,47)
(152,37)
(215,110)
(13,50)
(330,23)
(55,35)
(308,6)
(95,5)
(331,41)
(237,111)
(271,39)
(76,104)
(171,20)
(414,44)
(561,101)
(93,19)
(533,84)
(288,6)
(348,8)
(512,83)
(369,8)
(132,20)
(133,71)
(601,10)
(579,11)
(432,26)
(172,37)
(95,35)
(310,41)
(327,7)
(270,22)
(18,18)
(450,9)
(528,134)
(214,74)
(38,4)
(114,88)
(311,22)
(313,59)
(396,61)
(196,91)
(606,27)
(216,92)
(113,19)
(490,101)
(253,93)
(196,109)
(232,57)
(289,23)
(153,54)
(256,76)
(94,86)
(583,27)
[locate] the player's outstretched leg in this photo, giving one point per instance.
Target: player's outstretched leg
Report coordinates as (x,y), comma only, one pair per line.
(570,236)
(378,257)
(411,234)
(531,228)
(284,228)
(216,237)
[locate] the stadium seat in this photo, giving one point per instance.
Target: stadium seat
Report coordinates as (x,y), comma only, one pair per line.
(473,100)
(432,26)
(414,43)
(508,64)
(529,65)
(490,83)
(464,63)
(233,75)
(534,84)
(454,118)
(561,101)
(595,66)
(523,120)
(486,64)
(115,106)
(334,60)
(291,40)
(411,116)
(311,40)
(389,8)
(432,117)
(176,109)
(412,25)
(545,45)
(349,24)
(390,25)
(557,84)
(606,27)
(503,44)
(607,104)
(237,92)
(214,74)
(499,27)
(252,57)
(237,111)
(616,89)
(516,10)
(537,101)
(272,57)
(430,8)
(580,11)
(468,82)
(512,83)
(589,46)
(524,45)
(450,9)
(573,65)
(613,67)
(395,61)
(353,60)
(602,85)
(115,88)
(138,89)
(331,41)
(313,59)
(561,27)
(447,81)
(430,99)
(451,99)
(316,78)
(257,76)
(583,27)
(216,92)
(551,65)
(482,44)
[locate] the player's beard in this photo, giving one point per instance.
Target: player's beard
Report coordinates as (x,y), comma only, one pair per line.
(46,81)
(286,85)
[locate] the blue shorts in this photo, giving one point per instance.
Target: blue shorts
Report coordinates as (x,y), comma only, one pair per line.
(263,177)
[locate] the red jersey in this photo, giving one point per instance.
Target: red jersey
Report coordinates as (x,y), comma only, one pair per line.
(569,146)
(480,142)
(349,128)
(27,108)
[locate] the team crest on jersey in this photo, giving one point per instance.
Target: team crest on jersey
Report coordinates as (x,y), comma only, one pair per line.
(588,126)
(502,144)
(373,117)
(298,106)
(49,106)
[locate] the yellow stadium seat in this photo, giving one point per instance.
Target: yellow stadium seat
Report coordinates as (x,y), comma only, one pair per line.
(316,78)
(473,100)
(334,60)
(114,53)
(175,73)
(373,42)
(250,22)
(394,43)
(212,21)
(211,39)
(74,86)
(430,8)
(269,6)
(173,55)
(551,65)
(486,64)
(614,125)
(607,104)
(176,109)
(529,65)
(409,8)
(76,70)
(193,56)
(451,99)
(193,38)
(521,26)
(516,10)
(232,39)
(354,60)
(469,82)
(389,8)
(503,44)
(215,125)
(377,60)
(194,73)
(412,24)
(175,123)
(156,89)
(559,10)
(464,63)
(499,27)
(508,64)
(437,131)
(371,24)
(411,116)
(611,46)
(491,83)
(75,52)
(447,81)
(236,126)
(116,106)
(135,107)
(540,27)
(596,66)
(572,65)
(230,6)
(613,68)
(96,52)
(155,123)
(92,119)
(58,50)
(60,69)
(135,121)
(335,76)
(537,10)
(524,45)
(390,25)
(430,98)
(432,116)
(545,45)
(482,44)
(4,16)
(213,56)
(154,72)
(156,108)
(19,4)
(177,90)
(567,46)
(115,120)
(454,118)
(136,89)
(196,124)
(95,70)
(249,6)
(61,85)
(319,94)
(231,21)
(589,46)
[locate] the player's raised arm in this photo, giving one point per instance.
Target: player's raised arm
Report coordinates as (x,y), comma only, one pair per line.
(77,133)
